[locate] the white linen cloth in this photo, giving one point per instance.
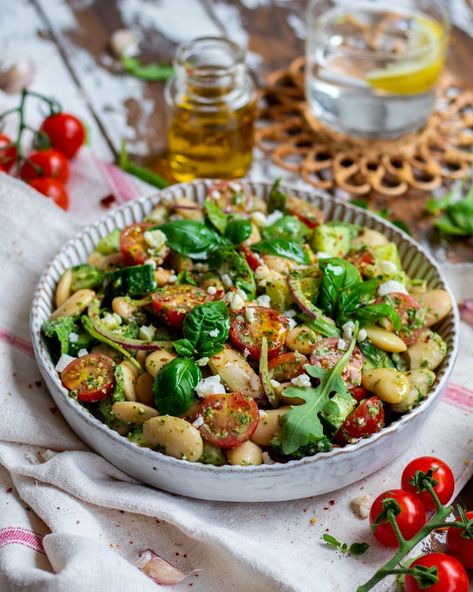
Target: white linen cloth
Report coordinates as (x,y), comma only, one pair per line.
(71,522)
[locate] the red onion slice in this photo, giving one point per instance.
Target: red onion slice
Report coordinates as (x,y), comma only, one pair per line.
(294,281)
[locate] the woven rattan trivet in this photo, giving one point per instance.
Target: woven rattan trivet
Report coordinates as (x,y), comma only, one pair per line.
(298,143)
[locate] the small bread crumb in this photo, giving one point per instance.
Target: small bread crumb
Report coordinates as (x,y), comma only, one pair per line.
(313,520)
(361,506)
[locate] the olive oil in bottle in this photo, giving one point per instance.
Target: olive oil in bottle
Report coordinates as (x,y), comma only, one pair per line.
(211,103)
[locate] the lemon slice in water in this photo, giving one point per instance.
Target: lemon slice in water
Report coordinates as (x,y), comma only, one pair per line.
(421,72)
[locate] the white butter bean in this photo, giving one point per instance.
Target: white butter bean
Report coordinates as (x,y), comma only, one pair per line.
(385,340)
(420,382)
(301,339)
(427,352)
(132,412)
(369,238)
(236,373)
(156,360)
(438,304)
(246,454)
(144,389)
(64,288)
(75,304)
(390,385)
(174,436)
(130,374)
(123,308)
(269,426)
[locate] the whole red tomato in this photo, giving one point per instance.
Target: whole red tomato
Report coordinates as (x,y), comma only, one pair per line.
(410,518)
(45,163)
(460,546)
(7,155)
(52,188)
(65,132)
(441,472)
(451,575)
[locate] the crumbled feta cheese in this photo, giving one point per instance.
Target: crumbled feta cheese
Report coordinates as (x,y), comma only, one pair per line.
(242,294)
(73,337)
(391,286)
(227,280)
(302,380)
(112,320)
(237,302)
(342,344)
(172,278)
(292,324)
(64,361)
(246,352)
(291,313)
(250,314)
(275,383)
(362,335)
(214,333)
(262,413)
(335,269)
(234,186)
(210,386)
(273,217)
(259,219)
(212,290)
(147,332)
(198,422)
(215,194)
(264,275)
(387,267)
(156,238)
(151,262)
(82,352)
(202,361)
(267,460)
(264,300)
(347,329)
(322,255)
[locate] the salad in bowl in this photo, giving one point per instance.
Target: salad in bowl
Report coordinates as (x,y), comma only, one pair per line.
(245,331)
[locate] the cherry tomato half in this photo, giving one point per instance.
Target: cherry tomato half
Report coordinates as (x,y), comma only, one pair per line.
(229,419)
(452,576)
(306,212)
(7,155)
(252,258)
(172,302)
(90,376)
(54,189)
(326,354)
(250,325)
(361,259)
(411,313)
(286,366)
(441,473)
(460,546)
(133,244)
(365,420)
(410,519)
(359,393)
(65,132)
(45,163)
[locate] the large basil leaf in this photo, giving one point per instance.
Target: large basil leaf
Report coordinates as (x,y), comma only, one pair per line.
(206,326)
(227,261)
(282,248)
(369,315)
(238,230)
(174,386)
(354,297)
(189,238)
(339,275)
(287,227)
(215,215)
(277,198)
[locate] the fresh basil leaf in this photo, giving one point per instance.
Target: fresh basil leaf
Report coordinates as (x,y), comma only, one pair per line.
(227,261)
(149,72)
(185,277)
(189,238)
(207,326)
(238,230)
(283,248)
(355,296)
(358,548)
(339,275)
(209,349)
(215,215)
(174,386)
(184,348)
(402,225)
(369,315)
(287,227)
(277,197)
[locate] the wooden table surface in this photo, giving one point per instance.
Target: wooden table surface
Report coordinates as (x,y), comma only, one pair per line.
(68,41)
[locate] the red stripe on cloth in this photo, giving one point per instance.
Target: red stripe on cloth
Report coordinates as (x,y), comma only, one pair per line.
(16,342)
(121,187)
(459,396)
(21,536)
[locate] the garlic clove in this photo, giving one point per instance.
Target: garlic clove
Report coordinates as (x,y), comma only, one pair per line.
(14,78)
(124,43)
(158,569)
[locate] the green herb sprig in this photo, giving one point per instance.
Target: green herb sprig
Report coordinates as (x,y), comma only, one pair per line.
(353,549)
(455,215)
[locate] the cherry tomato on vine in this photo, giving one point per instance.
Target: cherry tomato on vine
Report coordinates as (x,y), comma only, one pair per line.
(65,132)
(410,518)
(7,155)
(451,574)
(441,472)
(91,377)
(45,163)
(52,188)
(460,546)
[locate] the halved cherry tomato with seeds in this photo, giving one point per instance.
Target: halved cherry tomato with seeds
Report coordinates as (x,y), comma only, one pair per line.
(8,153)
(45,163)
(306,212)
(286,366)
(365,420)
(172,302)
(411,312)
(133,244)
(441,472)
(252,258)
(459,546)
(361,259)
(90,377)
(229,420)
(327,353)
(250,325)
(451,575)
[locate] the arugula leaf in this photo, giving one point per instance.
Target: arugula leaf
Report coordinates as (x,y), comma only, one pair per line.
(206,328)
(282,248)
(339,275)
(215,215)
(287,227)
(227,261)
(150,72)
(190,238)
(368,315)
(174,386)
(277,198)
(238,230)
(301,424)
(354,296)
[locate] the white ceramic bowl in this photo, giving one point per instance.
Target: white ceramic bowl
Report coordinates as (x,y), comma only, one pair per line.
(309,476)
